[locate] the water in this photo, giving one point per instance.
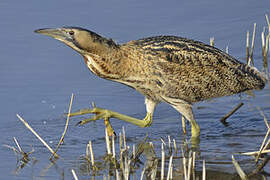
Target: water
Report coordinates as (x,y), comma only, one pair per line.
(38,75)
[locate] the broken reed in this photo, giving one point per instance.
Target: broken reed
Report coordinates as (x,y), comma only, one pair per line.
(250,53)
(265,46)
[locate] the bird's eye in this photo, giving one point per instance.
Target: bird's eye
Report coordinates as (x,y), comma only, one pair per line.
(71,33)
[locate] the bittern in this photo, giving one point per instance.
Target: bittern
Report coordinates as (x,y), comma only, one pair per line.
(169,69)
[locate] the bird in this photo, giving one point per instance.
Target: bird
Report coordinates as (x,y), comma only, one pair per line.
(171,69)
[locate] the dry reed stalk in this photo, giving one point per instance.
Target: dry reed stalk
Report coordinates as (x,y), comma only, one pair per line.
(239,170)
(117,174)
(163,141)
(184,164)
(162,161)
(107,142)
(87,156)
(142,174)
(260,166)
(14,150)
(36,134)
(212,41)
(252,46)
(124,137)
(169,145)
(18,145)
(265,41)
(264,118)
(268,23)
(134,151)
(268,142)
(126,166)
(204,171)
(120,141)
(193,159)
(223,119)
(91,155)
(175,147)
(170,168)
(113,146)
(25,156)
(66,126)
(184,125)
(247,47)
(227,49)
(74,174)
(121,160)
(255,153)
(263,146)
(189,166)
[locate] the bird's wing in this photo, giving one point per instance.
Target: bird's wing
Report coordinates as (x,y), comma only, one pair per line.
(194,71)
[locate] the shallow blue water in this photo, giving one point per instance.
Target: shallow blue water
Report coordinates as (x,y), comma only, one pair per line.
(38,75)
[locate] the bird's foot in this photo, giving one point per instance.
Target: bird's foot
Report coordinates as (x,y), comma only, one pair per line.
(100,113)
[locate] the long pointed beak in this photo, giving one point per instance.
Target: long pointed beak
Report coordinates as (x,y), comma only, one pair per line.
(55,33)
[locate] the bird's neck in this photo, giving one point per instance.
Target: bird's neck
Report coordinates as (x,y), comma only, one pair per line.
(105,64)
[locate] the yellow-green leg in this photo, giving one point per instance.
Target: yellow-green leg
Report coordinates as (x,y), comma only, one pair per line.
(186,111)
(101,113)
(106,114)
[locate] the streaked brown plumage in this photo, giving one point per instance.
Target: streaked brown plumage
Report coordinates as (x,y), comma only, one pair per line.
(169,69)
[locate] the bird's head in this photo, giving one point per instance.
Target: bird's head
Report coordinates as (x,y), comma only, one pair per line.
(79,39)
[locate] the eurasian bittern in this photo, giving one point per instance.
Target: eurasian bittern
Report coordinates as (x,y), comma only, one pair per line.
(169,69)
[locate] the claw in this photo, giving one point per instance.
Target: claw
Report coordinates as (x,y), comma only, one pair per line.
(94,118)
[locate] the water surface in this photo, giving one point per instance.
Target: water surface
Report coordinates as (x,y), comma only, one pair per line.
(38,75)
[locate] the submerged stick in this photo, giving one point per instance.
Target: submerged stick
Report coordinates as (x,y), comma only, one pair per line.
(66,126)
(36,134)
(223,119)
